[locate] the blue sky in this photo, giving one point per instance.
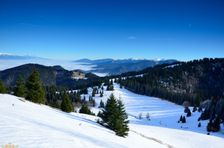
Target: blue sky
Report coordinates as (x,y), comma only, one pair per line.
(74,29)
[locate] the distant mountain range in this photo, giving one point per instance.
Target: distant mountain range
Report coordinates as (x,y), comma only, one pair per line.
(100,67)
(112,67)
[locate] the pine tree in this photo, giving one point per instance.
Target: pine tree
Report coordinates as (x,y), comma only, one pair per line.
(2,87)
(20,89)
(101,104)
(110,87)
(199,124)
(114,116)
(94,92)
(194,109)
(121,126)
(188,113)
(66,104)
(183,119)
(101,94)
(85,109)
(35,91)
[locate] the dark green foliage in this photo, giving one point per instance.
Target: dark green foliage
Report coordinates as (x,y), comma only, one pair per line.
(84,91)
(85,110)
(2,87)
(100,114)
(189,114)
(20,89)
(92,101)
(214,125)
(101,104)
(114,116)
(188,111)
(183,119)
(101,93)
(35,91)
(66,104)
(121,127)
(94,92)
(110,87)
(199,109)
(192,81)
(194,109)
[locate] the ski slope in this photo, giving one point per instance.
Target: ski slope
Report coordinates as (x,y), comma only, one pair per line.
(31,125)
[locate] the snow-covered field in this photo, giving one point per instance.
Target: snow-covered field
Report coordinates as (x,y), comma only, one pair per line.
(26,124)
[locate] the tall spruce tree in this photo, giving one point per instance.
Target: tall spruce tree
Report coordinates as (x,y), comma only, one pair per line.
(66,104)
(114,116)
(35,91)
(2,87)
(20,89)
(121,126)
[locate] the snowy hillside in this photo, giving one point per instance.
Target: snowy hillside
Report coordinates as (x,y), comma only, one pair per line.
(32,125)
(162,113)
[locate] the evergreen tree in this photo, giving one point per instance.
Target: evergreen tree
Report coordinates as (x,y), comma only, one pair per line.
(121,126)
(35,91)
(194,109)
(110,87)
(214,125)
(183,119)
(189,113)
(114,116)
(94,92)
(85,109)
(101,104)
(2,87)
(66,104)
(20,89)
(199,124)
(101,93)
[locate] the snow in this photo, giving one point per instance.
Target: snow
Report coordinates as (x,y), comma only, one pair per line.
(27,124)
(163,123)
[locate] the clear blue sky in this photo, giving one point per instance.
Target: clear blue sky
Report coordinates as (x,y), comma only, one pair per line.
(73,29)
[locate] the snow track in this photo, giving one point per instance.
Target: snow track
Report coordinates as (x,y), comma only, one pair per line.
(153,139)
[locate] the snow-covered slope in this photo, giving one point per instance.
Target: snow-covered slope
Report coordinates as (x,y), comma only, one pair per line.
(26,124)
(163,123)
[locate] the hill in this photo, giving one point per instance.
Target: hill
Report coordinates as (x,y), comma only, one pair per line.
(50,76)
(198,82)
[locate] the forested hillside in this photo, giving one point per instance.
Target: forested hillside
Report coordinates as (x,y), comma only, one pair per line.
(194,81)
